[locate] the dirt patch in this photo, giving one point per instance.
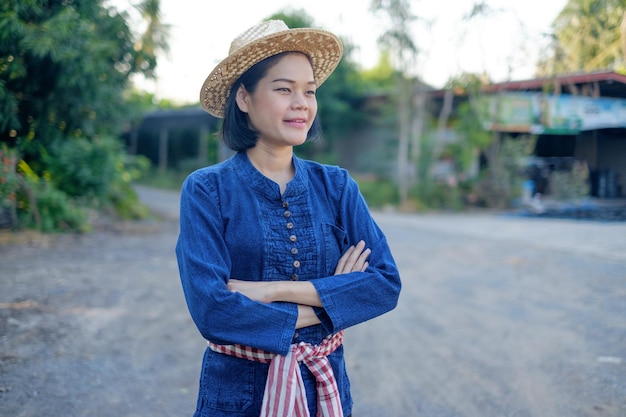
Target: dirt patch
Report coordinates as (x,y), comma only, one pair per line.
(498,316)
(95,324)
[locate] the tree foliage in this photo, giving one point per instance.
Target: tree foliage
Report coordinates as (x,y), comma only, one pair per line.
(383,75)
(65,66)
(397,39)
(588,35)
(154,39)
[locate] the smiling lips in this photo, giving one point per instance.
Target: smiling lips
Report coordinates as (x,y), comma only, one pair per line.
(299,123)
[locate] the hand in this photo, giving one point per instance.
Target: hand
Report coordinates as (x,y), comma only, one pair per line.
(354,260)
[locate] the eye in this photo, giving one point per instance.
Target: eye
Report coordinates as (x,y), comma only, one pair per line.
(311,92)
(284,89)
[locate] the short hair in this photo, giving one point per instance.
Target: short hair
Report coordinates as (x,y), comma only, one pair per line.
(236,132)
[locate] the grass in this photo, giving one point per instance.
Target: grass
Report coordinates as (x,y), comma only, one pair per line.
(170,180)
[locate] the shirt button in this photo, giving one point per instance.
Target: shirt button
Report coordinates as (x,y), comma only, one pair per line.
(294,277)
(285,204)
(289,225)
(296,264)
(294,250)
(287,213)
(293,238)
(295,335)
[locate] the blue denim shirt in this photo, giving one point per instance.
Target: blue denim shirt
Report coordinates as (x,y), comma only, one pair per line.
(234,223)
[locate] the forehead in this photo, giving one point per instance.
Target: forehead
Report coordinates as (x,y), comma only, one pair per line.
(292,63)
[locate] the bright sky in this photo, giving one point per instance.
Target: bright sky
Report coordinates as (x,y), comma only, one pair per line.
(505,44)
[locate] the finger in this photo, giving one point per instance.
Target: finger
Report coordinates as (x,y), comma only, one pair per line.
(356,254)
(357,251)
(343,261)
(353,259)
(362,260)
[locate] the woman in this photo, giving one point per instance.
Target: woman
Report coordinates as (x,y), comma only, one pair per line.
(272,248)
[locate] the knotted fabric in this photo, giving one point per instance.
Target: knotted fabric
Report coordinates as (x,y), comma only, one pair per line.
(285,394)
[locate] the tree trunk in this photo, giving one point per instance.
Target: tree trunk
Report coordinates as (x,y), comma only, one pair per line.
(493,164)
(417,129)
(442,122)
(403,139)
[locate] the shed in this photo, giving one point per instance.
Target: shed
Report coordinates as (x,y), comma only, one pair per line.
(168,137)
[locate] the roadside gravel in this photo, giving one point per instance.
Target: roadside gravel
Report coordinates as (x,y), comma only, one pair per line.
(499,316)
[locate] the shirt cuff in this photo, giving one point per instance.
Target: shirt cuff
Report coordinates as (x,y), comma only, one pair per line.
(324,319)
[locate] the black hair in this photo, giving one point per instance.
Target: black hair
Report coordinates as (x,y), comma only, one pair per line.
(236,132)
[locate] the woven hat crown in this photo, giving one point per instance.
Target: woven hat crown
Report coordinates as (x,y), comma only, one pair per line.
(256,32)
(267,39)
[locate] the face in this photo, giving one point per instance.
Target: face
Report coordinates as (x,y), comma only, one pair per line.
(283,106)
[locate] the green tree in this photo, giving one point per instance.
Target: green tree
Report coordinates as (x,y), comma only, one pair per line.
(468,121)
(64,68)
(153,41)
(381,77)
(410,94)
(587,35)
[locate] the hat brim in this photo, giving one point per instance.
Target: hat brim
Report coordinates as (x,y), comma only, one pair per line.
(322,47)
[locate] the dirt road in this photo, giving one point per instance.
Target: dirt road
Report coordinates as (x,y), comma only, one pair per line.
(499,316)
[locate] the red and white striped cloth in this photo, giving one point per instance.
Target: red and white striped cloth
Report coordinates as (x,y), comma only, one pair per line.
(285,395)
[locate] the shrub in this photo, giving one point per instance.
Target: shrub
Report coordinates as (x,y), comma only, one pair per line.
(494,192)
(443,195)
(85,169)
(78,175)
(378,192)
(9,185)
(54,211)
(572,184)
(98,173)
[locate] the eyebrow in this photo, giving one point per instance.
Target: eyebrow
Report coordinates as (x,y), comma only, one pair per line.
(287,80)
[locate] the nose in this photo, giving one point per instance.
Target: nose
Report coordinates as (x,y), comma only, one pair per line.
(299,102)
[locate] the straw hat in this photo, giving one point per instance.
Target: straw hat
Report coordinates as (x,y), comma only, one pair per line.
(260,42)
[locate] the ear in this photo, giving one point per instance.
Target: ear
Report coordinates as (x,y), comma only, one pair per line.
(242,98)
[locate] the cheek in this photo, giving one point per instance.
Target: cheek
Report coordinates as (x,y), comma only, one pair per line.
(262,111)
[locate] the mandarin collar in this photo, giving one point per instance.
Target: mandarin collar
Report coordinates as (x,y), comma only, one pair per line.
(255,179)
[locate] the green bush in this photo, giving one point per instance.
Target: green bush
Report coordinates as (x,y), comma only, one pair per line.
(121,196)
(494,193)
(125,202)
(98,173)
(572,184)
(9,185)
(85,169)
(378,192)
(53,211)
(444,196)
(79,175)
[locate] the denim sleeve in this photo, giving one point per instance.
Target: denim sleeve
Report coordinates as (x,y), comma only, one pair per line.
(204,264)
(353,298)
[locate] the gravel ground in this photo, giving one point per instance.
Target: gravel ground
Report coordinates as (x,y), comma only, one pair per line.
(499,316)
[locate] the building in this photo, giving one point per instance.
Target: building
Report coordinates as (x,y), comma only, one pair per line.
(170,138)
(576,117)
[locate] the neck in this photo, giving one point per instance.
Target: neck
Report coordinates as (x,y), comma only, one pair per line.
(275,164)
